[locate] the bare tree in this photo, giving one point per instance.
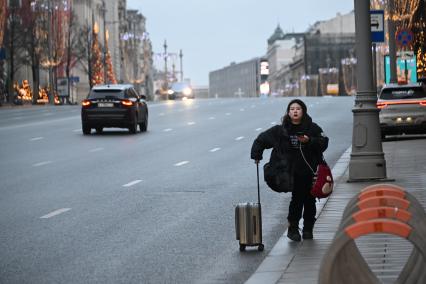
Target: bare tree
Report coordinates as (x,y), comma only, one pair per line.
(14,42)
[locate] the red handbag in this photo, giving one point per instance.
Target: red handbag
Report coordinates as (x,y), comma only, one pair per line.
(323,182)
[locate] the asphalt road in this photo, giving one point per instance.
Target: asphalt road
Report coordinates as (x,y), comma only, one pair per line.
(155,207)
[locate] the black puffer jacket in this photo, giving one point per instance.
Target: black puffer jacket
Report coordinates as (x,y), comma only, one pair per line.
(283,138)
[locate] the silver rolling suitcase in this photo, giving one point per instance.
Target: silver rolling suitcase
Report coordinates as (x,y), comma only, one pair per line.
(248,222)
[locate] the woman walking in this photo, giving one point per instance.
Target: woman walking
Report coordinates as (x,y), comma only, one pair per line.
(301,142)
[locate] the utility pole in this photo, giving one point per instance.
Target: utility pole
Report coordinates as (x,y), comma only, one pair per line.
(392,49)
(367,158)
(104,10)
(165,66)
(181,68)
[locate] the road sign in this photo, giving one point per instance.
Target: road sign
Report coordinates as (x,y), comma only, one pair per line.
(74,79)
(404,38)
(377,23)
(2,53)
(62,87)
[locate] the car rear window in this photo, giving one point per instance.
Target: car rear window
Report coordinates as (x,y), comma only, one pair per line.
(104,94)
(402,93)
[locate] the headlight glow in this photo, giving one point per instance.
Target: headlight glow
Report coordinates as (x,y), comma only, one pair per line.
(187,91)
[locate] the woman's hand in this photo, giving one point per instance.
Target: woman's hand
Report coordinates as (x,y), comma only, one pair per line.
(303,139)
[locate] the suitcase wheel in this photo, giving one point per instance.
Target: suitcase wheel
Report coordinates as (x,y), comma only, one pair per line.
(261,247)
(242,247)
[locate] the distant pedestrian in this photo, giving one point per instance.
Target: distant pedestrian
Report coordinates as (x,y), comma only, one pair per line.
(296,133)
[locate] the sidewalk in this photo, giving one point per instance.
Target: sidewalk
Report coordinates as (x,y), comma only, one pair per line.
(292,262)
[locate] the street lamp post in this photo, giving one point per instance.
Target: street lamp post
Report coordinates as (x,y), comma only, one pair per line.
(367,158)
(50,50)
(104,10)
(392,49)
(181,67)
(165,66)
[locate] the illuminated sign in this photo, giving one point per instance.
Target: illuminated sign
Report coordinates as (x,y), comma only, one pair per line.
(264,68)
(405,67)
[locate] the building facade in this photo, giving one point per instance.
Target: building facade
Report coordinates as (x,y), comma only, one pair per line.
(236,80)
(280,54)
(315,67)
(72,27)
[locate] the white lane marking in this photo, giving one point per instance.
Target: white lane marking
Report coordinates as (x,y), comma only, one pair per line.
(96,149)
(273,122)
(181,163)
(77,130)
(212,117)
(167,129)
(54,213)
(239,138)
(258,129)
(191,123)
(214,150)
(253,106)
(17,117)
(132,183)
(161,114)
(30,124)
(47,114)
(42,163)
(36,138)
(241,109)
(228,113)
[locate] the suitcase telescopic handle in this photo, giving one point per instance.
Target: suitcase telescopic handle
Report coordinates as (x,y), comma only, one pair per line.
(258,186)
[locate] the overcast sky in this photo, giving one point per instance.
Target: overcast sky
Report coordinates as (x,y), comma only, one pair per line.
(214,33)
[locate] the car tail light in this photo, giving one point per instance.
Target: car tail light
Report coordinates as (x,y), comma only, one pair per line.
(422,103)
(86,103)
(127,103)
(381,105)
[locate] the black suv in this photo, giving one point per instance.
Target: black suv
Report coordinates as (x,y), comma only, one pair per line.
(114,106)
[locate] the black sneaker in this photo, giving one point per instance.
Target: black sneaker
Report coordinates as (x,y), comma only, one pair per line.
(293,234)
(307,234)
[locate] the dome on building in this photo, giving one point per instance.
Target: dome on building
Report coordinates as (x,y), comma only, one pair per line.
(277,35)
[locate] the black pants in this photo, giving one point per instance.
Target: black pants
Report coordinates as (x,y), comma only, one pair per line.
(302,201)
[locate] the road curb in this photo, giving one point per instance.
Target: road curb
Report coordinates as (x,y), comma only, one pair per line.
(279,258)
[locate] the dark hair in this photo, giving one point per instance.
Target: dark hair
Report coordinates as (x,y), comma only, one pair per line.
(286,117)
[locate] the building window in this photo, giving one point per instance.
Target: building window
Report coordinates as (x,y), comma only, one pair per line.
(14,3)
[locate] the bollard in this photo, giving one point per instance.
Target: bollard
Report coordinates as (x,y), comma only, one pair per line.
(341,265)
(381,196)
(414,265)
(380,208)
